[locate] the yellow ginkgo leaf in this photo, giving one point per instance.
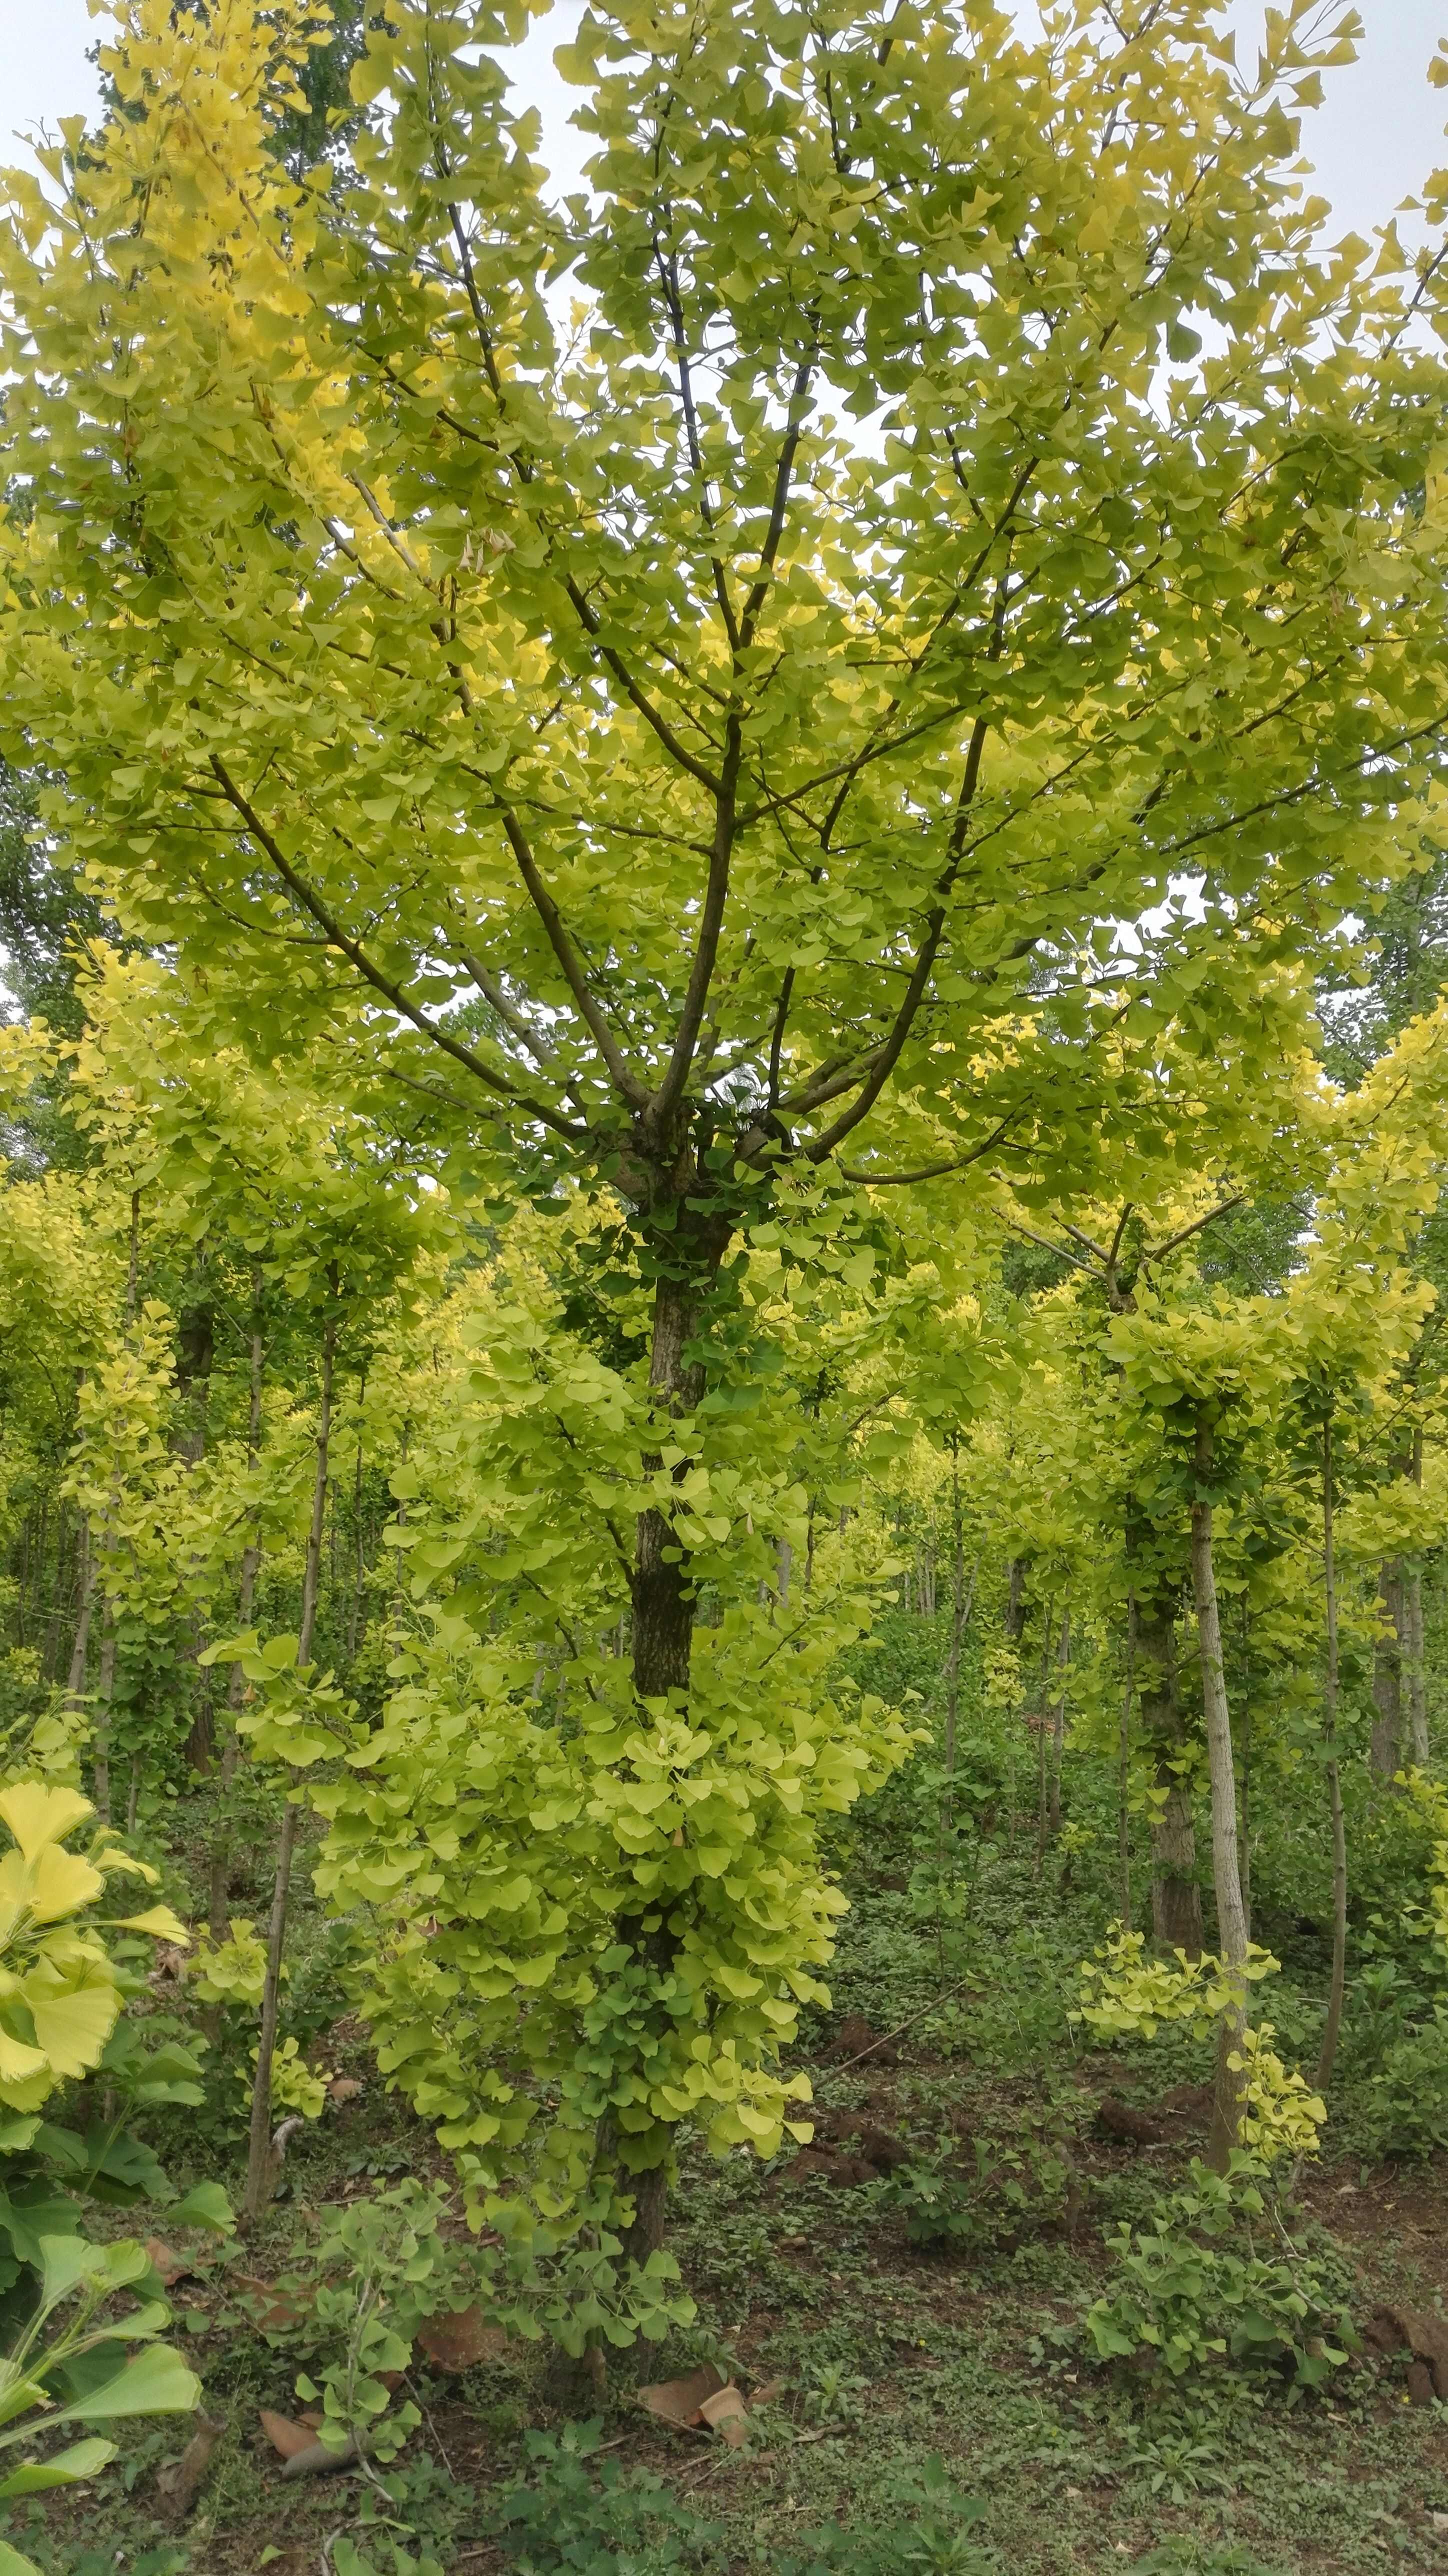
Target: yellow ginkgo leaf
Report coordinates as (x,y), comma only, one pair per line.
(37,1815)
(72,2023)
(158,1919)
(61,1883)
(18,2064)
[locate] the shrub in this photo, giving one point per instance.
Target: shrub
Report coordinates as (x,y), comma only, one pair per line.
(1184,2297)
(977,2202)
(1403,2108)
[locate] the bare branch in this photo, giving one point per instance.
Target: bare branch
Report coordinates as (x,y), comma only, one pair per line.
(625,1080)
(375,975)
(1161,1250)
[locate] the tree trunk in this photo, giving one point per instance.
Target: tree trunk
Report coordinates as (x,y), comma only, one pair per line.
(236,1680)
(75,1678)
(957,1625)
(1043,1716)
(106,1679)
(663,1636)
(195,1352)
(1415,1670)
(1333,2024)
(1229,2089)
(1015,1616)
(1385,1747)
(1123,1768)
(258,2160)
(105,1696)
(1176,1899)
(1058,1728)
(359,1568)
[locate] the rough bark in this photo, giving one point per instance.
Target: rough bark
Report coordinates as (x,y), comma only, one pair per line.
(1043,1719)
(1333,2025)
(1229,2088)
(1385,1747)
(258,2160)
(106,1678)
(1123,1772)
(664,1609)
(1058,1727)
(1415,1670)
(220,1858)
(75,1678)
(1015,1613)
(1176,1899)
(105,1698)
(196,1349)
(957,1623)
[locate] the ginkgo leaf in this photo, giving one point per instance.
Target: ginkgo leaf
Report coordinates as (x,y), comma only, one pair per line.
(63,2469)
(158,1919)
(72,2023)
(61,1883)
(38,1815)
(156,2382)
(19,2061)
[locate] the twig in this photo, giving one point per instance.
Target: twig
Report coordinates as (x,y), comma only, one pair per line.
(432,2428)
(887,2036)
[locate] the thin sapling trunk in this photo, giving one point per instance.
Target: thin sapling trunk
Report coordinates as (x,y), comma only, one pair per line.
(1123,1770)
(1333,2025)
(258,2160)
(664,1611)
(85,1571)
(957,1631)
(220,1861)
(1415,1670)
(1058,1726)
(1176,1900)
(1229,2089)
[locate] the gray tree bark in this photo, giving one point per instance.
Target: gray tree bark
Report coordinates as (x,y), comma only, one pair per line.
(259,2142)
(1229,2087)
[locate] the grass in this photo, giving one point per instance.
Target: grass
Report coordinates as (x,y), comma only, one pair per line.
(892,2354)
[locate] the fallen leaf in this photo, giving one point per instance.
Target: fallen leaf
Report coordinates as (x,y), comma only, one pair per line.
(320,2460)
(269,2307)
(727,2415)
(285,2437)
(460,2338)
(770,2394)
(180,2482)
(170,2265)
(679,2401)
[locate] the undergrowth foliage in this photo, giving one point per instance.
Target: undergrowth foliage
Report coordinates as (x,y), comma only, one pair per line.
(723,1498)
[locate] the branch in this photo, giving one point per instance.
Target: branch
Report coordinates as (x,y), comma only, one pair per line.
(1014,1226)
(933,1171)
(374,975)
(924,964)
(783,474)
(1197,1223)
(593,627)
(494,993)
(711,924)
(626,1081)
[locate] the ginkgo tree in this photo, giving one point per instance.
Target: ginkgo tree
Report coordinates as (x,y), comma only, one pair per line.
(676,682)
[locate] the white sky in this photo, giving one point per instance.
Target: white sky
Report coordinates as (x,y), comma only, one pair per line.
(1378,134)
